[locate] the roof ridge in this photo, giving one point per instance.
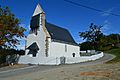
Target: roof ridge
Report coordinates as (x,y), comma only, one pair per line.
(57,26)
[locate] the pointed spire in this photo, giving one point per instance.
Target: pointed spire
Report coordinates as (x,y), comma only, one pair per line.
(38,10)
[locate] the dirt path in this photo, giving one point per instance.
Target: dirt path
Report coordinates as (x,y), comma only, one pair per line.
(75,72)
(94,70)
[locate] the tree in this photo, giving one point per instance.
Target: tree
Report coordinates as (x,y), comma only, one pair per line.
(93,35)
(115,38)
(109,41)
(10,29)
(85,46)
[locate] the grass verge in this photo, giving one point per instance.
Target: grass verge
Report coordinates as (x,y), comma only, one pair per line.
(115,52)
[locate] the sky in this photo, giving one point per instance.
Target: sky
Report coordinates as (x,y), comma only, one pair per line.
(70,16)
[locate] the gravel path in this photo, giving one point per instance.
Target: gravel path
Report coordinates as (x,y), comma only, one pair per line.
(40,72)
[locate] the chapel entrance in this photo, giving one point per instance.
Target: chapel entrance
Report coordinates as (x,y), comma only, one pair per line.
(62,60)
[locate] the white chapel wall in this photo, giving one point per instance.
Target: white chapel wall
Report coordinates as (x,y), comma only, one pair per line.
(39,39)
(57,49)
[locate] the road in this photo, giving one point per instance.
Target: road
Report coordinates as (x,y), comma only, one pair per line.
(35,68)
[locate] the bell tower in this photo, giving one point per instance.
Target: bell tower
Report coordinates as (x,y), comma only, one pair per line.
(37,20)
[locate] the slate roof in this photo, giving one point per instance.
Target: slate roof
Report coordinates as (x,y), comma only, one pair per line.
(59,34)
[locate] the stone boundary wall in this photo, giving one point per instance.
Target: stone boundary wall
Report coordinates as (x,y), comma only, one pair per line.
(57,60)
(70,60)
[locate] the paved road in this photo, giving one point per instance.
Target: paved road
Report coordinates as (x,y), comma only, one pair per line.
(14,72)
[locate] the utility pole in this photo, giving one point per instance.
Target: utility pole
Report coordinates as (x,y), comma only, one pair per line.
(118,38)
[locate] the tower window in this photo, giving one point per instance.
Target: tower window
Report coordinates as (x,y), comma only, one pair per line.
(34,24)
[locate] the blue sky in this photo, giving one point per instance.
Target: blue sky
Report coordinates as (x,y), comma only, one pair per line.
(72,17)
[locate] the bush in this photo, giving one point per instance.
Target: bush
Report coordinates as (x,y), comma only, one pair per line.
(2,59)
(12,53)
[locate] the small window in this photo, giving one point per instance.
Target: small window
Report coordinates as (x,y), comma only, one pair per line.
(65,48)
(73,54)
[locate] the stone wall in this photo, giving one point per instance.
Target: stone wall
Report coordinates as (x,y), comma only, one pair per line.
(57,60)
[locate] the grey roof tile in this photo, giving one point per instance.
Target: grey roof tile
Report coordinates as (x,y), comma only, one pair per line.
(59,34)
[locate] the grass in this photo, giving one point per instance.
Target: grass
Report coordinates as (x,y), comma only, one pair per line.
(115,52)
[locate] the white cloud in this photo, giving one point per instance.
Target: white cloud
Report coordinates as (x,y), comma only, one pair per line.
(21,46)
(22,25)
(106,27)
(106,24)
(107,12)
(28,27)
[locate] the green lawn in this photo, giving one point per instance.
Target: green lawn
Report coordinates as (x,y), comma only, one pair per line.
(115,52)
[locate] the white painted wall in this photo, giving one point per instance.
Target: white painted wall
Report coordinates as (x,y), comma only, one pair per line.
(70,60)
(56,60)
(42,61)
(57,49)
(39,39)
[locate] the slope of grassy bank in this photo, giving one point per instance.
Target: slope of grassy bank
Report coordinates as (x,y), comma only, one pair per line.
(115,52)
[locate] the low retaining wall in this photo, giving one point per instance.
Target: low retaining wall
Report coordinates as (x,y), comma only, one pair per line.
(70,60)
(41,61)
(56,61)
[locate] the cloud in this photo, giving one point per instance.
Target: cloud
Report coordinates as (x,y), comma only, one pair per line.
(28,27)
(21,47)
(23,25)
(107,12)
(106,24)
(106,27)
